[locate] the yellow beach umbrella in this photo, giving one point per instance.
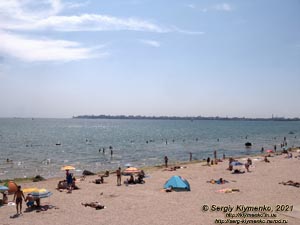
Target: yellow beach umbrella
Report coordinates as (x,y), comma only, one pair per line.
(68,168)
(30,190)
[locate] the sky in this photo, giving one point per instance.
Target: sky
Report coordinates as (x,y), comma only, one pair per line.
(63,58)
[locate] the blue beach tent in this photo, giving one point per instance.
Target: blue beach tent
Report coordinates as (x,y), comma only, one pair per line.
(178,184)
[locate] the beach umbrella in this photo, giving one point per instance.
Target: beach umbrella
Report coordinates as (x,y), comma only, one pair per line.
(269,151)
(30,190)
(235,163)
(12,187)
(131,170)
(68,168)
(41,193)
(3,188)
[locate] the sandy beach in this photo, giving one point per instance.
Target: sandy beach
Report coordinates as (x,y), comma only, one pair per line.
(149,204)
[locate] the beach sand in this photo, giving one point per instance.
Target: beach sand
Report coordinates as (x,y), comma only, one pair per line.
(148,204)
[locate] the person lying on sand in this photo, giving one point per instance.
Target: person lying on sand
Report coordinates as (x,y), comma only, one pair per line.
(169,189)
(174,168)
(220,181)
(237,171)
(95,205)
(291,183)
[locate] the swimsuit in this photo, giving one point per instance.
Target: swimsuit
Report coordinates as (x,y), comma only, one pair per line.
(19,200)
(30,203)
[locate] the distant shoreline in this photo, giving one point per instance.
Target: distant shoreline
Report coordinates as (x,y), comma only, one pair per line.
(182,118)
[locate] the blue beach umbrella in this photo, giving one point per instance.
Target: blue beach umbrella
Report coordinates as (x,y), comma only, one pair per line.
(3,188)
(235,163)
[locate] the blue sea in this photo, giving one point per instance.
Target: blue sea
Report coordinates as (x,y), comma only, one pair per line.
(43,146)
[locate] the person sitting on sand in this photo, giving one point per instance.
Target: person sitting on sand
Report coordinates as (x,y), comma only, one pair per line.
(30,200)
(131,180)
(5,198)
(249,161)
(62,184)
(98,181)
(142,174)
(140,179)
(95,205)
(247,166)
(266,159)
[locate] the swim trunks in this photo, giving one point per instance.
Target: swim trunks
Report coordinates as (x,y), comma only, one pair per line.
(19,200)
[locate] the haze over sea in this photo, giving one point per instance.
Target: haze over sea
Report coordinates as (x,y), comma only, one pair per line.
(42,146)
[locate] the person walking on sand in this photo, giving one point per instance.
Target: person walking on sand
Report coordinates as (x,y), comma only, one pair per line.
(191,156)
(166,161)
(18,197)
(118,172)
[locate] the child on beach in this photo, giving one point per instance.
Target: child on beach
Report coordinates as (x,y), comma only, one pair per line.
(30,200)
(18,197)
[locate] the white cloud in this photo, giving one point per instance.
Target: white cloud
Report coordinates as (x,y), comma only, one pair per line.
(223,7)
(46,15)
(90,22)
(28,49)
(174,28)
(152,43)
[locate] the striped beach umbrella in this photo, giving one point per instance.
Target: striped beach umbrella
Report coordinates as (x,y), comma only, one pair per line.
(131,170)
(3,188)
(41,193)
(30,190)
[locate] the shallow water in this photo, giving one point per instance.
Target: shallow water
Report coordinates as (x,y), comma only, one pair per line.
(42,146)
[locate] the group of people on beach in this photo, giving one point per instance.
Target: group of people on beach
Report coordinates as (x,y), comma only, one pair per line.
(29,199)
